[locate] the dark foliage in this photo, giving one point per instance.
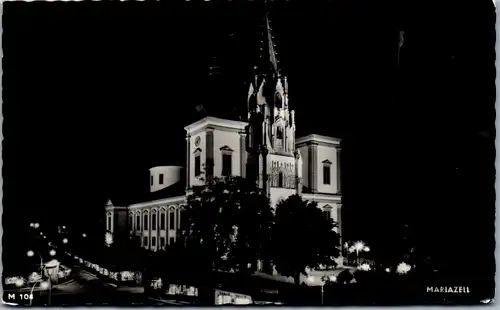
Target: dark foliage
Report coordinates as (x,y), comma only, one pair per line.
(345,277)
(228,222)
(302,237)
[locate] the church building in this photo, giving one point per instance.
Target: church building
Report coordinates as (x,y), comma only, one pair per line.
(263,148)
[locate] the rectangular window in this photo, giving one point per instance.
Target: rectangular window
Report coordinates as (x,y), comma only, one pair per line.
(197,166)
(172,240)
(161,178)
(171,220)
(153,221)
(145,241)
(162,221)
(138,223)
(130,223)
(326,174)
(145,222)
(153,241)
(109,223)
(151,180)
(226,164)
(327,214)
(162,242)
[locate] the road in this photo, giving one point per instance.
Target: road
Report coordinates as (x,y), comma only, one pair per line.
(87,289)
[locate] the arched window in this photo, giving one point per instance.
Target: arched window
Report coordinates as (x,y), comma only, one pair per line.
(279,133)
(138,221)
(153,219)
(109,223)
(162,219)
(280,179)
(171,218)
(278,101)
(145,221)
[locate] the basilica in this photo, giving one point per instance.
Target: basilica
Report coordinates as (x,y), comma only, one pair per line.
(263,147)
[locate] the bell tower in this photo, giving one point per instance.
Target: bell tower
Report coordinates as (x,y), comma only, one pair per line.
(271,123)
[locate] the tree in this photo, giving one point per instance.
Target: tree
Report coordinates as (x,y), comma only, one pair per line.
(302,238)
(124,253)
(228,221)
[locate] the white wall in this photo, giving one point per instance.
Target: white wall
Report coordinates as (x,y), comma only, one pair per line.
(232,140)
(333,212)
(327,153)
(277,193)
(193,180)
(304,152)
(167,233)
(280,193)
(171,175)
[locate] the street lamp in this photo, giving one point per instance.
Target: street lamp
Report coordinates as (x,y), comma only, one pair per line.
(65,240)
(403,268)
(84,235)
(19,282)
(108,239)
(346,247)
(48,285)
(360,246)
(322,282)
(350,250)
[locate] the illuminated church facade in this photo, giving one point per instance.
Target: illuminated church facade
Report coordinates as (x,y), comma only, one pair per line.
(264,148)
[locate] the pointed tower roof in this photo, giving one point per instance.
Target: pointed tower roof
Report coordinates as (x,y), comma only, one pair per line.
(268,62)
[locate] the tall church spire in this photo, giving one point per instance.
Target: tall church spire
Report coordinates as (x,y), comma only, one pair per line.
(270,47)
(270,140)
(268,62)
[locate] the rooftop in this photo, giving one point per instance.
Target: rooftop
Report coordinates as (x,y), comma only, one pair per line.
(318,138)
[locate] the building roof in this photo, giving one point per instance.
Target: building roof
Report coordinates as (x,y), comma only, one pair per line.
(175,190)
(318,138)
(210,121)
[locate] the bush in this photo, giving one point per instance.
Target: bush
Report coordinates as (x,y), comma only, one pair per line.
(345,277)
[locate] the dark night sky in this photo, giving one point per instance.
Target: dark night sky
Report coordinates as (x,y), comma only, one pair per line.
(95,94)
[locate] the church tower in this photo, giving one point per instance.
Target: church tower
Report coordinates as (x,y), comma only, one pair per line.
(272,157)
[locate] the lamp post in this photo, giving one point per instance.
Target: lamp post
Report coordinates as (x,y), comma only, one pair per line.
(108,239)
(45,287)
(346,247)
(31,253)
(322,283)
(351,250)
(359,246)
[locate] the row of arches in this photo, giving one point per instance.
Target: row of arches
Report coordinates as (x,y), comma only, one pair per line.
(156,218)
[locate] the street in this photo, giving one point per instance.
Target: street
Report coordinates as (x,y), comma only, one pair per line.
(87,289)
